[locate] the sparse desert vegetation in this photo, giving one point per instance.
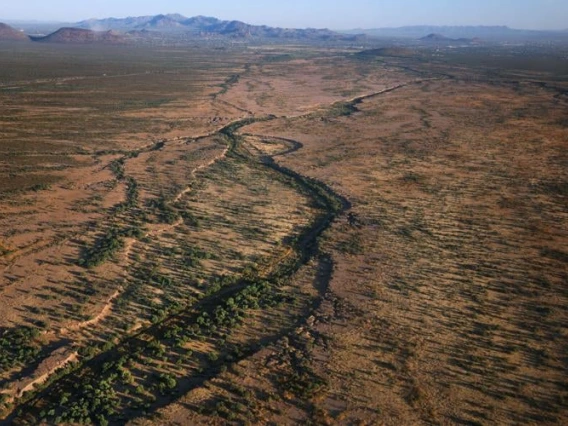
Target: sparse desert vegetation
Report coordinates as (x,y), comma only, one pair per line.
(280,235)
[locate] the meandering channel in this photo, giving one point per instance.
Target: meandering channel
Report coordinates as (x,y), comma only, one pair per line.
(305,249)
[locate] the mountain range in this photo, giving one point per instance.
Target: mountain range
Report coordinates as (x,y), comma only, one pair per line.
(203,26)
(164,28)
(178,28)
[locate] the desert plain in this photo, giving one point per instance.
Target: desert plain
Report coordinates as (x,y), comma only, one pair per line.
(283,234)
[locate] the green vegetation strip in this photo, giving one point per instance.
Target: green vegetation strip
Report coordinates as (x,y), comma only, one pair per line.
(108,245)
(17,347)
(103,389)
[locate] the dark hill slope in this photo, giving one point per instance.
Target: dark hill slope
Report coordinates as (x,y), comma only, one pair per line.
(435,37)
(438,38)
(7,33)
(82,36)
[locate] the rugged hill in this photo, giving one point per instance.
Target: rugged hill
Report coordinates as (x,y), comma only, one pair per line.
(207,26)
(11,34)
(163,22)
(435,37)
(80,35)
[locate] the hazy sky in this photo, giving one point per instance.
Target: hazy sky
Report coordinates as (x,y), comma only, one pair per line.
(334,14)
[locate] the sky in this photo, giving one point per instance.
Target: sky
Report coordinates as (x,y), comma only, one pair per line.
(333,14)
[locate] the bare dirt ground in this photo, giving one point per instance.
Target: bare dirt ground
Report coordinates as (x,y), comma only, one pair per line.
(447,302)
(277,237)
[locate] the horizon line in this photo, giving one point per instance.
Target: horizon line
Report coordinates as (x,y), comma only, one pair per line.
(38,21)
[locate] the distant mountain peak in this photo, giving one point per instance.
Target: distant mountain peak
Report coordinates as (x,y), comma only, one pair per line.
(163,21)
(176,17)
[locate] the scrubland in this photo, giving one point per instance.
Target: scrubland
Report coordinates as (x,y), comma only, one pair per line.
(277,235)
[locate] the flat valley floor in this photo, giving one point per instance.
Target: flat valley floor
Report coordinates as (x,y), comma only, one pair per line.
(282,235)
